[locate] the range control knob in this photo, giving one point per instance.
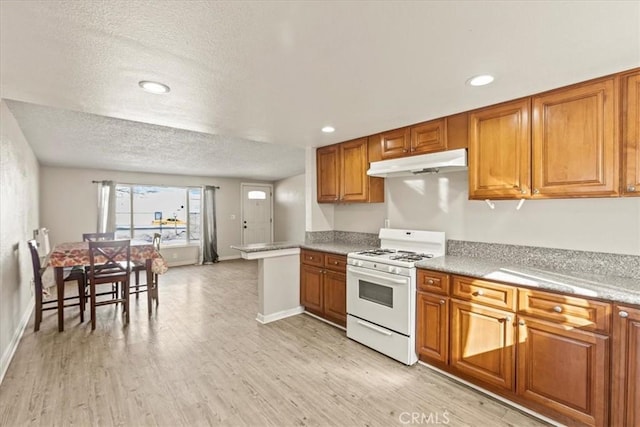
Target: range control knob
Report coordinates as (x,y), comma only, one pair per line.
(359,263)
(391,269)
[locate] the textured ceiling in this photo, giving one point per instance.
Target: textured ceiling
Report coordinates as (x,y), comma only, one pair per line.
(277,72)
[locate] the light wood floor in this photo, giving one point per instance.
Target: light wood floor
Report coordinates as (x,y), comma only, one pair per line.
(202,359)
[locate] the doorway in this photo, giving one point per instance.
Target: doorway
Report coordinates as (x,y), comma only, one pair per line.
(256,214)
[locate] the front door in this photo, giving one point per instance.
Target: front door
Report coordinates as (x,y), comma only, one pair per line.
(256,213)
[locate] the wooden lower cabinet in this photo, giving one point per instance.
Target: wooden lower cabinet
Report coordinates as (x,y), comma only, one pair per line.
(335,297)
(564,369)
(311,294)
(323,285)
(483,343)
(432,340)
(625,400)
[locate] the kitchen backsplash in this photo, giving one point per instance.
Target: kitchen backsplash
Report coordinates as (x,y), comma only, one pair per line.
(348,237)
(558,259)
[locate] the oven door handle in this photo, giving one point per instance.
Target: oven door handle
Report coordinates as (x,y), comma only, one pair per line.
(374,328)
(373,276)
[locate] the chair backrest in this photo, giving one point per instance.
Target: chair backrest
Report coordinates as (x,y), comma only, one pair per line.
(109,259)
(97,237)
(37,269)
(156,240)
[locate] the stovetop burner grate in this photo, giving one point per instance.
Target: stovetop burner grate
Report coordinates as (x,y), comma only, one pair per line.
(410,256)
(375,252)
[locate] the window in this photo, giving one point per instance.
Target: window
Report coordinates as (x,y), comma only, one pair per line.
(257,195)
(174,212)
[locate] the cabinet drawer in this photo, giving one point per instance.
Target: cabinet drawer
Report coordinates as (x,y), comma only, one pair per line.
(336,262)
(483,292)
(577,312)
(433,281)
(312,258)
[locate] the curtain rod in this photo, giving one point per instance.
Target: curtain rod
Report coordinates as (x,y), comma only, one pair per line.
(156,185)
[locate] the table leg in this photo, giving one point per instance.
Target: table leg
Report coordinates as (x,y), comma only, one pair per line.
(150,284)
(59,272)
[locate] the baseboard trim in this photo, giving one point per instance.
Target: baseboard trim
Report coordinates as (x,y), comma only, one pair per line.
(315,316)
(229,257)
(17,336)
(279,315)
(493,395)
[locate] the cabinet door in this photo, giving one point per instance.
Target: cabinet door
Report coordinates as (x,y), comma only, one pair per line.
(500,151)
(483,343)
(353,171)
(564,369)
(328,173)
(335,297)
(432,331)
(429,137)
(631,134)
(395,143)
(574,142)
(311,296)
(626,367)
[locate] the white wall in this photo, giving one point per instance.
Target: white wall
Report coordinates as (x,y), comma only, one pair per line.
(68,205)
(440,202)
(289,209)
(19,217)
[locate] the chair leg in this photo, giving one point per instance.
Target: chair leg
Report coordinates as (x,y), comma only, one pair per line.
(156,291)
(81,299)
(137,283)
(126,301)
(150,290)
(93,305)
(38,320)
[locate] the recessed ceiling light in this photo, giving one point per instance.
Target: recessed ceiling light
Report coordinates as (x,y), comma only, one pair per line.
(481,80)
(154,87)
(328,129)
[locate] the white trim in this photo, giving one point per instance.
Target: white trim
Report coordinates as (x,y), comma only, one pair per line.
(17,336)
(261,318)
(247,184)
(271,253)
(228,257)
(325,320)
(495,396)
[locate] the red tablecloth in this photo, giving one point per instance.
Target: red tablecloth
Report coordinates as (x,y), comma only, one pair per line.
(77,253)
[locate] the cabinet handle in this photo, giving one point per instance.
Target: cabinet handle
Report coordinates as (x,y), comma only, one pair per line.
(508,318)
(324,271)
(479,293)
(631,188)
(404,151)
(430,281)
(536,191)
(523,191)
(521,323)
(623,314)
(557,309)
(335,262)
(442,301)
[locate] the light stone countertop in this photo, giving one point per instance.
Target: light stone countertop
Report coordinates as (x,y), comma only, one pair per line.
(611,288)
(336,247)
(262,247)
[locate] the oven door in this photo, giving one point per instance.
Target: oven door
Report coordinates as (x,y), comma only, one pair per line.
(380,298)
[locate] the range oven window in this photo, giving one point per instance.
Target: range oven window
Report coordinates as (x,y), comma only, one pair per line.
(375,293)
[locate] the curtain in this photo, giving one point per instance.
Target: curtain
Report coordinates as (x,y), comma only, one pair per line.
(106,207)
(209,237)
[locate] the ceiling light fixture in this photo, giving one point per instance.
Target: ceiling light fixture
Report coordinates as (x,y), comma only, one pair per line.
(154,87)
(328,129)
(481,80)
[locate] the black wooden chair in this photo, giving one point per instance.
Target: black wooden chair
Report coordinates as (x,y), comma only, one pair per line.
(71,274)
(105,268)
(150,289)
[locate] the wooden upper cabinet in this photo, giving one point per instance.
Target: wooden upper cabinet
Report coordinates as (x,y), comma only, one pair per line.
(395,143)
(429,137)
(353,170)
(342,174)
(574,141)
(631,133)
(328,173)
(500,151)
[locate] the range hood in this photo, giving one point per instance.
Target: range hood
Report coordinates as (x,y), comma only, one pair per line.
(443,161)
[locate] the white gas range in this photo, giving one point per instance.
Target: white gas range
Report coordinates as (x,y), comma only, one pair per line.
(381,291)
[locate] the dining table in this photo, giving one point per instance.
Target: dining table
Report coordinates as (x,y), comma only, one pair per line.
(72,254)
